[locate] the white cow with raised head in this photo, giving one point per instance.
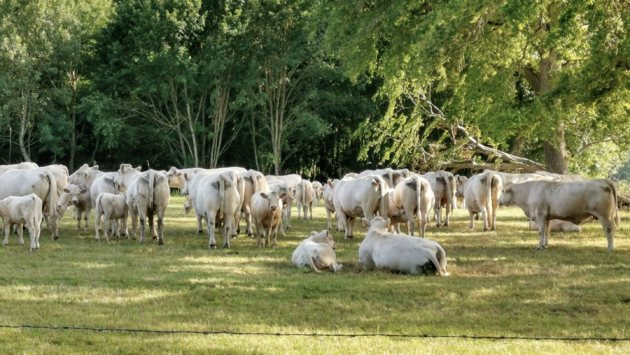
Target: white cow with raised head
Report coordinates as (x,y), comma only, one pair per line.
(291,181)
(481,193)
(399,252)
(112,208)
(267,216)
(360,197)
(20,210)
(147,194)
(415,197)
(574,202)
(79,197)
(317,252)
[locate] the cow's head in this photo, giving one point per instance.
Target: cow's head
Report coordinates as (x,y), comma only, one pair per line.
(275,200)
(323,237)
(507,196)
(80,176)
(377,224)
(460,182)
(75,191)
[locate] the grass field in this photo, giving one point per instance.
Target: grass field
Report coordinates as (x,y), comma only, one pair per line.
(500,286)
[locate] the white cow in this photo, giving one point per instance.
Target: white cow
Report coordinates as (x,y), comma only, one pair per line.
(305,196)
(397,216)
(25,165)
(291,180)
(360,197)
(562,177)
(39,181)
(415,196)
(508,178)
(329,204)
(481,193)
(443,187)
(176,176)
(557,225)
(215,198)
(318,189)
(399,252)
(267,216)
(79,197)
(111,207)
(252,180)
(317,252)
(22,210)
(575,202)
(392,177)
(147,194)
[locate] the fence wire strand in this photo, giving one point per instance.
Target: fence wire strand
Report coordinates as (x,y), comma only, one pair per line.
(366,335)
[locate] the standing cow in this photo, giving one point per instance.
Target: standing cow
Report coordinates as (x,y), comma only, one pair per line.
(481,193)
(360,197)
(575,202)
(291,181)
(304,196)
(79,197)
(112,208)
(415,196)
(267,216)
(147,194)
(443,187)
(20,210)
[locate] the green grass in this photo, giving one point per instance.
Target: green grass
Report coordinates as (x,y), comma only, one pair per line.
(500,286)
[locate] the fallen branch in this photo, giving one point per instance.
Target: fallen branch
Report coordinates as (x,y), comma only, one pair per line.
(458,165)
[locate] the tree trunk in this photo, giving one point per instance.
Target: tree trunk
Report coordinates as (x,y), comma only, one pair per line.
(23,127)
(556,157)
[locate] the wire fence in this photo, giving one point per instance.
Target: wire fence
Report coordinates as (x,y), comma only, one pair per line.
(366,335)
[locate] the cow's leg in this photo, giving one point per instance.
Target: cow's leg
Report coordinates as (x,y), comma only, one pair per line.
(143,225)
(97,225)
(160,224)
(227,231)
(288,212)
(494,216)
(275,235)
(448,214)
(31,233)
(151,215)
(210,224)
(106,223)
(547,231)
(248,220)
(342,221)
(425,220)
(329,218)
(542,226)
(299,209)
(7,230)
(350,228)
(484,215)
(310,210)
(437,213)
(86,217)
(409,208)
(472,218)
(78,219)
(20,230)
(609,229)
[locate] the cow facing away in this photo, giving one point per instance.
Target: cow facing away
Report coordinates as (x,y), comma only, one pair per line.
(443,187)
(360,197)
(148,195)
(305,196)
(481,193)
(317,252)
(574,202)
(415,197)
(399,252)
(20,210)
(329,205)
(112,208)
(267,216)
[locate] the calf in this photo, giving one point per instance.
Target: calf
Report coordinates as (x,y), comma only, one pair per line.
(111,207)
(266,209)
(79,197)
(317,252)
(575,202)
(22,210)
(399,252)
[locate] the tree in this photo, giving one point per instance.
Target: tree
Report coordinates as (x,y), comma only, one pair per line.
(500,66)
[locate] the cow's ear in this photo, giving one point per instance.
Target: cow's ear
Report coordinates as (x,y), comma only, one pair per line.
(95,167)
(313,233)
(366,222)
(139,168)
(264,195)
(507,189)
(122,168)
(86,175)
(178,174)
(186,177)
(329,182)
(66,191)
(283,195)
(83,191)
(374,182)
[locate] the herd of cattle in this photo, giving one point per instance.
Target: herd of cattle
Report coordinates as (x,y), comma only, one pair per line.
(384,199)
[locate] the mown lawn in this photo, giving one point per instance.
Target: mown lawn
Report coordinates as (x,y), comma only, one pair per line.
(500,286)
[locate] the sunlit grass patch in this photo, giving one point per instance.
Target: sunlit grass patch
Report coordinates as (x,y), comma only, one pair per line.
(500,285)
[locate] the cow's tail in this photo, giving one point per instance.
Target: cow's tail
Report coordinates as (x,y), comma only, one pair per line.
(52,196)
(616,218)
(420,197)
(436,263)
(449,190)
(384,202)
(390,172)
(252,174)
(98,208)
(221,196)
(303,194)
(441,256)
(151,187)
(489,177)
(311,262)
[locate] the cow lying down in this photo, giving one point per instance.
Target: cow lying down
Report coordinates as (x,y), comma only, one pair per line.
(557,225)
(317,252)
(399,252)
(22,210)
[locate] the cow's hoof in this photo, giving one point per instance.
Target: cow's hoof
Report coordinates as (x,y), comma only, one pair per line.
(213,246)
(21,244)
(55,238)
(485,229)
(539,248)
(155,237)
(3,244)
(161,242)
(226,247)
(288,227)
(349,237)
(250,235)
(199,231)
